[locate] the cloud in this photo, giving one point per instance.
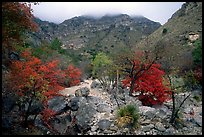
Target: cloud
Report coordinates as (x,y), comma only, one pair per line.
(57,12)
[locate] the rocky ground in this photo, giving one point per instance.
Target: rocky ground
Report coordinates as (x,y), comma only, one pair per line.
(87,109)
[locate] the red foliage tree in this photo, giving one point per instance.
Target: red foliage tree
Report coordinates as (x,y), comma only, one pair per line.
(147,79)
(17,18)
(33,80)
(34,76)
(73,75)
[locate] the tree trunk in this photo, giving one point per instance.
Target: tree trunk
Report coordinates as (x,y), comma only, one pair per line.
(27,113)
(173,116)
(131,87)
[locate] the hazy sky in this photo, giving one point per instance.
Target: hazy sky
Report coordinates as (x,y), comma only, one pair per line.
(57,12)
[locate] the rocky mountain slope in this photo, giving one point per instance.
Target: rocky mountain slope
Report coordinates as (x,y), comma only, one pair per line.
(177,36)
(88,35)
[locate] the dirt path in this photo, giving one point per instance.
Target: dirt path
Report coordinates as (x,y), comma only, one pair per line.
(86,83)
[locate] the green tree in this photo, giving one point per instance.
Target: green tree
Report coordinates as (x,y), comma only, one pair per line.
(102,69)
(56,44)
(197,52)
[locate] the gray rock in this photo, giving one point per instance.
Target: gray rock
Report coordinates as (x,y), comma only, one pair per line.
(125,130)
(84,92)
(103,108)
(197,92)
(121,97)
(36,107)
(76,102)
(7,122)
(159,126)
(198,120)
(95,84)
(150,114)
(147,128)
(61,127)
(113,128)
(146,122)
(40,124)
(85,115)
(94,100)
(144,109)
(94,128)
(57,103)
(163,112)
(104,124)
(169,131)
(14,56)
(61,122)
(8,102)
(187,110)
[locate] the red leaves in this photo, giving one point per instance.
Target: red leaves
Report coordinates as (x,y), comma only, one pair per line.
(73,75)
(149,82)
(47,114)
(16,18)
(30,77)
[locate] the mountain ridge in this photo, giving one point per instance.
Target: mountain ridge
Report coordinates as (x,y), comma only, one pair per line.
(102,34)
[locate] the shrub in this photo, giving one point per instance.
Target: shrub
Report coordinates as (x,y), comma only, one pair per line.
(128,116)
(164,31)
(56,44)
(197,52)
(47,114)
(190,79)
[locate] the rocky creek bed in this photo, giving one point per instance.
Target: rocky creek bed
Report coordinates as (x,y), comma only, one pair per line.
(87,109)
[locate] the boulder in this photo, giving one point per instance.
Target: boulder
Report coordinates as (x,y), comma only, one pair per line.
(169,131)
(57,103)
(103,108)
(14,56)
(85,115)
(159,126)
(104,124)
(95,84)
(144,109)
(84,92)
(61,122)
(76,102)
(94,100)
(147,127)
(8,102)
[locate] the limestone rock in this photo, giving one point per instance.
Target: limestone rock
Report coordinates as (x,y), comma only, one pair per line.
(84,92)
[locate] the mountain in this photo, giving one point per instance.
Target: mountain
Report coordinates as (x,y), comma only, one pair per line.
(88,35)
(177,37)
